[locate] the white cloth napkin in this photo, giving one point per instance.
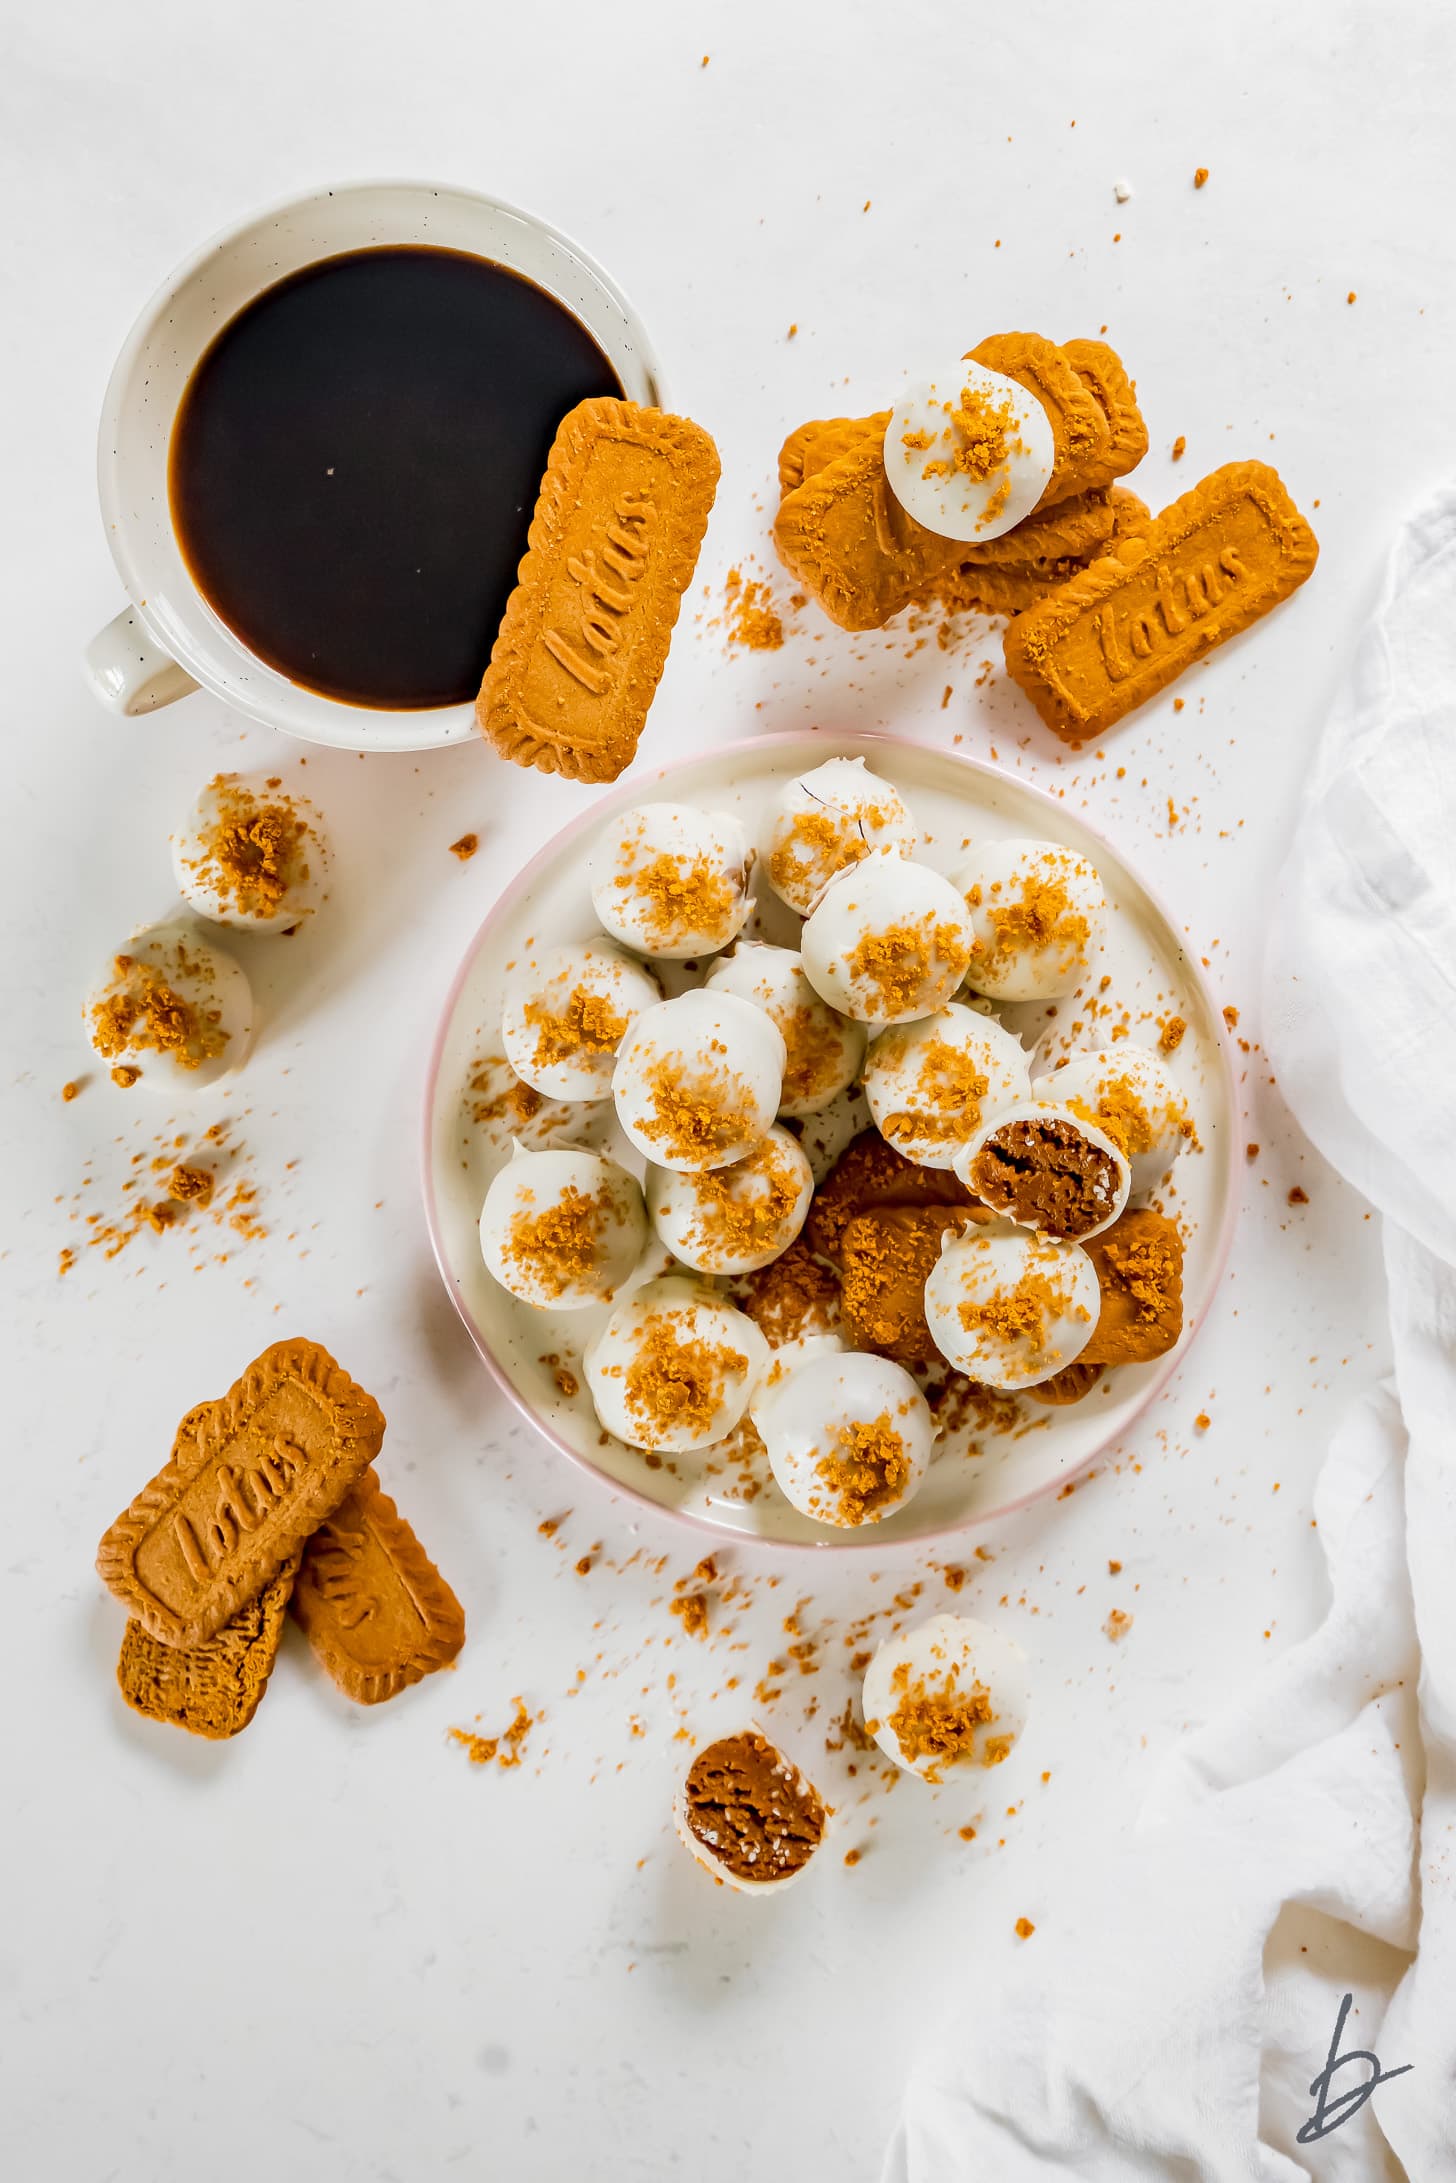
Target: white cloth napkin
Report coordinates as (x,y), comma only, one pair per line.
(1300,1846)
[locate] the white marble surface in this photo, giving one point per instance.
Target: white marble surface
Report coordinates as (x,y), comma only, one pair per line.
(335,1949)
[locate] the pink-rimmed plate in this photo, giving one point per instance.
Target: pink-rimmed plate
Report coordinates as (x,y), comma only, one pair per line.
(983,1469)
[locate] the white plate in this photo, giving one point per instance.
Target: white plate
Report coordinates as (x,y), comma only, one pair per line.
(953,798)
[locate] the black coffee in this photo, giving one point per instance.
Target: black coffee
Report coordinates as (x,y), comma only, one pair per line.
(355,460)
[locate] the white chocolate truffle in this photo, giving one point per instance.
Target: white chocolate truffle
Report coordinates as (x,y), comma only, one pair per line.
(1045,1167)
(562,1229)
(825,1050)
(172,1012)
(969,453)
(732,1220)
(949,1695)
(674,1366)
(670,880)
(1011,1308)
(1131,1096)
(566,1013)
(698,1080)
(890,940)
(849,1437)
(828,818)
(748,1815)
(930,1084)
(1037,913)
(251,853)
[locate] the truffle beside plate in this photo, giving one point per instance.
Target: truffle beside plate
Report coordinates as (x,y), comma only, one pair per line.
(975,1475)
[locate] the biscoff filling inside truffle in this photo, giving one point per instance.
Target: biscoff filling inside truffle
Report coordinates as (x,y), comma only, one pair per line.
(676,1380)
(1044,1172)
(699,1114)
(141,1013)
(679,897)
(752,1810)
(559,1246)
(587,1023)
(866,1470)
(938,1721)
(908,963)
(949,1089)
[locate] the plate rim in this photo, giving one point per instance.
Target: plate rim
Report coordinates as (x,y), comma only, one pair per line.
(615,1488)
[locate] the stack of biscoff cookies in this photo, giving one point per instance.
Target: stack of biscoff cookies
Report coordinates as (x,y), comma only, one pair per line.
(269,1501)
(995,489)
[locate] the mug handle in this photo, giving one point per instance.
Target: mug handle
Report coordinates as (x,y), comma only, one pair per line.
(129,673)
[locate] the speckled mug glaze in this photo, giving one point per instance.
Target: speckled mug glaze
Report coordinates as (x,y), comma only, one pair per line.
(169,641)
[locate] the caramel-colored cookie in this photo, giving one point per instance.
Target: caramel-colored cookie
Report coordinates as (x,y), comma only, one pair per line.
(1122,630)
(1100,370)
(867,1175)
(1073,529)
(215,1688)
(1079,426)
(851,545)
(809,447)
(612,547)
(1012,590)
(1139,1262)
(250,1477)
(1069,1385)
(887,1256)
(370,1601)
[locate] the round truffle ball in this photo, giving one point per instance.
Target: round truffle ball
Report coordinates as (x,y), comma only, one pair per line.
(1037,913)
(849,1437)
(698,1080)
(825,819)
(251,853)
(889,940)
(170,1012)
(1009,1308)
(732,1220)
(825,1050)
(670,880)
(674,1366)
(930,1084)
(1043,1166)
(562,1229)
(567,1011)
(969,453)
(950,1695)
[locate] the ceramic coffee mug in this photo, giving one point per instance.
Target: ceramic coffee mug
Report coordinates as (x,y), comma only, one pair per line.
(169,640)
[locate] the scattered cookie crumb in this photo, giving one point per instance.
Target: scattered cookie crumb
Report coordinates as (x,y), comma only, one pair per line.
(1350,297)
(1200,176)
(853,1856)
(692,1611)
(1114,1568)
(1171,1035)
(1122,191)
(69,1092)
(465,847)
(1117,1625)
(1202,1422)
(793,330)
(505,1749)
(1180,448)
(125,1075)
(1251,1152)
(1231,1015)
(1024,1929)
(753,620)
(1298,1196)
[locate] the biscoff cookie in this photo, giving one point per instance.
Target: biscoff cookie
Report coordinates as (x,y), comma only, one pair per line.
(613,543)
(846,538)
(809,447)
(1139,1262)
(1013,588)
(215,1688)
(370,1601)
(1074,529)
(1080,430)
(1101,370)
(250,1477)
(1069,1385)
(1123,629)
